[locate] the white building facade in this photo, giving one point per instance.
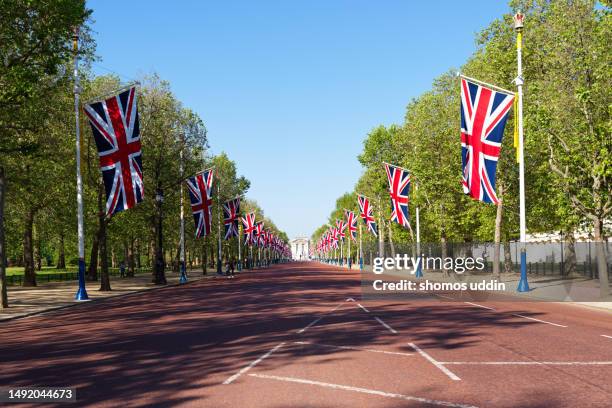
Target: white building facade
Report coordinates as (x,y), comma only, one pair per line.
(299,248)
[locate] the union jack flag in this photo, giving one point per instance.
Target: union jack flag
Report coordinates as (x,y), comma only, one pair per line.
(366,214)
(484,113)
(200,193)
(249,227)
(231,209)
(341,226)
(351,222)
(334,237)
(259,230)
(399,187)
(115,127)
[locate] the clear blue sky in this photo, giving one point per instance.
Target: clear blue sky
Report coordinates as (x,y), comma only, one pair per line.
(289,89)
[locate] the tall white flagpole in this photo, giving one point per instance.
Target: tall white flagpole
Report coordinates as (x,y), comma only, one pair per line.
(341,251)
(348,257)
(239,249)
(523,285)
(81,292)
(219,254)
(360,250)
(182,271)
(419,271)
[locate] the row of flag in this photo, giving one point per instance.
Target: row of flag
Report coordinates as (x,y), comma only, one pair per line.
(115,127)
(484,112)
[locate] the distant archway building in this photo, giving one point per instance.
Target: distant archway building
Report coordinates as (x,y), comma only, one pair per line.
(299,248)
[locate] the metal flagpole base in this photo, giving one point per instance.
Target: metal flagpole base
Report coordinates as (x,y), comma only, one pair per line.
(183,278)
(349,263)
(239,266)
(523,285)
(419,271)
(219,269)
(360,264)
(81,292)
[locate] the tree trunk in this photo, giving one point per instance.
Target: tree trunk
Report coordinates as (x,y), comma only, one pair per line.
(92,269)
(137,255)
(29,278)
(37,249)
(61,257)
(570,255)
(113,258)
(444,251)
(381,238)
(498,227)
(204,260)
(105,285)
(130,259)
(507,256)
(391,244)
(3,294)
(602,264)
(159,266)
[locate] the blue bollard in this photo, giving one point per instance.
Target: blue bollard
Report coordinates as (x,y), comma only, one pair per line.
(81,292)
(523,285)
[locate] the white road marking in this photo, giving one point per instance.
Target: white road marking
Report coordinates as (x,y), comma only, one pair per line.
(354,348)
(253,364)
(538,320)
(477,305)
(391,329)
(363,307)
(564,363)
(364,391)
(603,335)
(350,300)
(315,321)
(438,364)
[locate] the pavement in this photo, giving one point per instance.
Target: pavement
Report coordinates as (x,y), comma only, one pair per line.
(25,301)
(299,335)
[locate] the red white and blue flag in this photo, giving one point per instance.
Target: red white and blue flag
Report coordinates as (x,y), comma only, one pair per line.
(484,113)
(340,227)
(231,209)
(351,223)
(200,194)
(365,209)
(258,237)
(399,187)
(334,237)
(249,227)
(115,127)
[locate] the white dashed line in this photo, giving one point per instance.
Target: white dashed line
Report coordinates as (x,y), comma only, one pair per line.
(433,361)
(363,308)
(477,305)
(604,335)
(538,320)
(253,364)
(315,321)
(385,324)
(353,348)
(364,391)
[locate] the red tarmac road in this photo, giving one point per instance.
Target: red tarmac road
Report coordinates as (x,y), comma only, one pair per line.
(298,335)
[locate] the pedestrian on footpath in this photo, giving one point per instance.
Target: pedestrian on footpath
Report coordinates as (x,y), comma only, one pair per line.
(230,268)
